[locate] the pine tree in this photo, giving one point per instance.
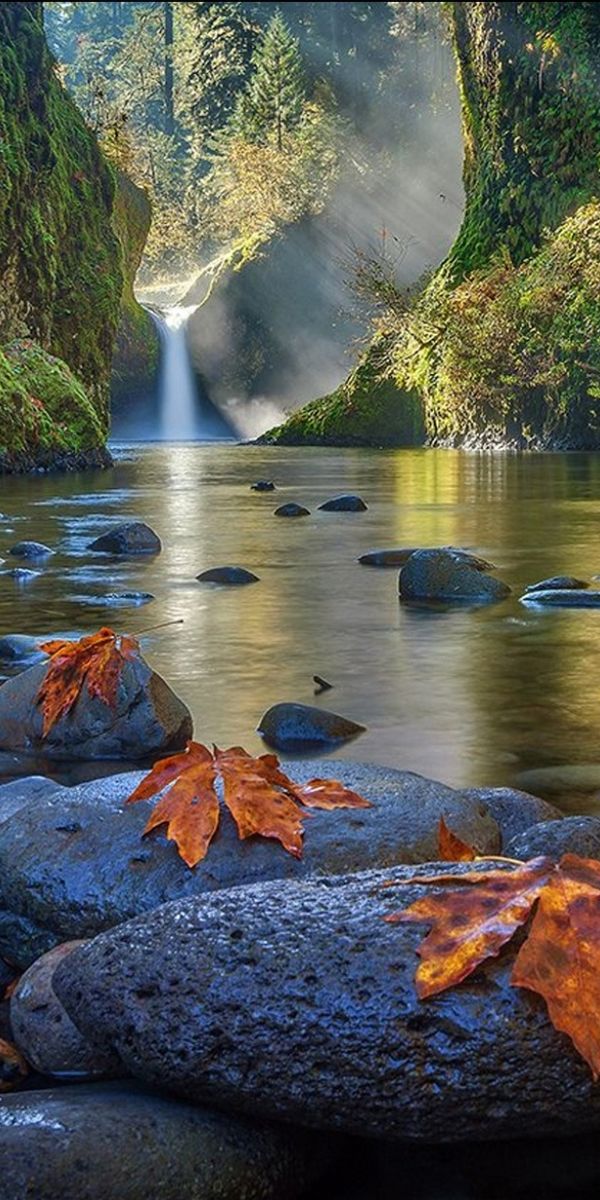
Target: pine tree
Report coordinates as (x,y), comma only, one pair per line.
(223,41)
(274,101)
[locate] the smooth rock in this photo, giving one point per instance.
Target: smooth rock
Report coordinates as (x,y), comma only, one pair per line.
(17,648)
(148,718)
(572,835)
(30,550)
(513,811)
(344,504)
(557,582)
(230,576)
(109,1141)
(438,575)
(563,598)
(295,728)
(76,863)
(397,558)
(19,792)
(43,1031)
(291,510)
(553,781)
(133,537)
(297,1001)
(263,485)
(21,574)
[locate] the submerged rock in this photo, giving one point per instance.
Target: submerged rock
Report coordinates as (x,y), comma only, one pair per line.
(439,575)
(564,597)
(30,550)
(557,583)
(148,718)
(297,1001)
(230,576)
(397,558)
(21,574)
(133,537)
(263,485)
(553,781)
(124,1142)
(20,648)
(126,599)
(344,504)
(572,835)
(298,727)
(292,510)
(75,863)
(513,810)
(43,1031)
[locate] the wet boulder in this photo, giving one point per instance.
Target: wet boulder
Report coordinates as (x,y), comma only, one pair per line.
(557,583)
(20,574)
(43,1031)
(133,537)
(19,792)
(30,550)
(398,557)
(19,649)
(297,728)
(263,485)
(572,835)
(77,862)
(344,504)
(292,510)
(297,1001)
(148,718)
(514,811)
(120,1141)
(437,575)
(563,597)
(229,576)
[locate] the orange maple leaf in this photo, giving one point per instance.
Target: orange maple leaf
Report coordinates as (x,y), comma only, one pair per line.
(96,660)
(560,957)
(451,847)
(260,797)
(13,1067)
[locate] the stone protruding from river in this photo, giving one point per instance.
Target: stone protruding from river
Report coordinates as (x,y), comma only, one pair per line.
(263,485)
(20,649)
(43,1031)
(514,811)
(564,598)
(436,575)
(557,583)
(572,835)
(229,576)
(30,550)
(77,863)
(148,718)
(344,504)
(298,728)
(397,558)
(291,510)
(297,1001)
(133,537)
(120,1141)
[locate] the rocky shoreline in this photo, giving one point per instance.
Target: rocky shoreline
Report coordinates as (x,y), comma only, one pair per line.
(50,462)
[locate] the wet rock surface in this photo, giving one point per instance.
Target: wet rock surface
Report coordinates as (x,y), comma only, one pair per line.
(229,576)
(564,597)
(514,811)
(30,550)
(19,792)
(125,1142)
(398,557)
(572,835)
(263,485)
(133,537)
(75,864)
(300,727)
(297,1001)
(291,510)
(344,504)
(19,649)
(557,582)
(147,718)
(438,575)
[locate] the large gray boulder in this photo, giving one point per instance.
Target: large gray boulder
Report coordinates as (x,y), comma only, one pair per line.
(439,575)
(132,537)
(148,718)
(572,835)
(77,864)
(297,728)
(297,1001)
(124,1142)
(514,811)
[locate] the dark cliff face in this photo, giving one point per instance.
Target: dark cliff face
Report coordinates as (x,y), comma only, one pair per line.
(61,272)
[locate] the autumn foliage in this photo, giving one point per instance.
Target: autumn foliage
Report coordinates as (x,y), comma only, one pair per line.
(478,912)
(260,797)
(96,661)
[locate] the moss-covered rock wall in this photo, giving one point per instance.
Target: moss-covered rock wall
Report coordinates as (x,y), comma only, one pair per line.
(137,347)
(60,259)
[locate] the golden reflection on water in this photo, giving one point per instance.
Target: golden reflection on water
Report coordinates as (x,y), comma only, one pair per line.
(467,696)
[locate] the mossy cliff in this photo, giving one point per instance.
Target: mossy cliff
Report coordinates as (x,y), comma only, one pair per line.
(137,346)
(501,348)
(60,261)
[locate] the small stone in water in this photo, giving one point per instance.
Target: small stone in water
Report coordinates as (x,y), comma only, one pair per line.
(263,485)
(230,576)
(292,510)
(30,550)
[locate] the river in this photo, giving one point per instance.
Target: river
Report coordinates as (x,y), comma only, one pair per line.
(468,696)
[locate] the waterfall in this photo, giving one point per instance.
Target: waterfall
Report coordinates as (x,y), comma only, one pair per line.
(184,414)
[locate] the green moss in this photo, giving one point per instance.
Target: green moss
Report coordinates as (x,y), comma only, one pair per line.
(137,347)
(44,407)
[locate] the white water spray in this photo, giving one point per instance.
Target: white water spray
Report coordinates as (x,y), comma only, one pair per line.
(179,415)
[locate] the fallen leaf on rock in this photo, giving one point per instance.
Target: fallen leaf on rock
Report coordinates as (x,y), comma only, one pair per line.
(559,958)
(96,661)
(260,797)
(451,847)
(13,1068)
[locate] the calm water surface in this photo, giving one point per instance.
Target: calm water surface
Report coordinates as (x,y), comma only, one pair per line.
(470,696)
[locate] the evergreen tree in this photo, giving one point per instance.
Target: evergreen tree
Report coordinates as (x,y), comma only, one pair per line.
(274,101)
(222,43)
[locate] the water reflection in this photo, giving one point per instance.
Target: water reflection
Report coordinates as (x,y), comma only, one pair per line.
(474,696)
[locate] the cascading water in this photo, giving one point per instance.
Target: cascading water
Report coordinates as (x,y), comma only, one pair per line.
(179,416)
